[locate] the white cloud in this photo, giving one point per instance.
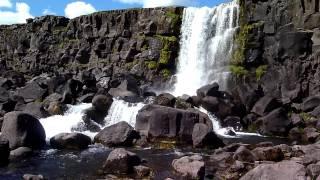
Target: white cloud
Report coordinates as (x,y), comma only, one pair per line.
(48,12)
(21,13)
(78,8)
(157,3)
(5,3)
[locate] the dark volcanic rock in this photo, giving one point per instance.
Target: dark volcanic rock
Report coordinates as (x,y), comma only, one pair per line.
(31,92)
(102,102)
(275,123)
(121,162)
(244,154)
(20,153)
(192,167)
(209,90)
(268,154)
(4,151)
(165,99)
(75,141)
(265,105)
(310,103)
(203,136)
(23,130)
(281,171)
(36,109)
(164,122)
(120,134)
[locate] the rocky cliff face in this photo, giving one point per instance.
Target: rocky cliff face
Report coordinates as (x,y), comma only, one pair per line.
(143,42)
(279,49)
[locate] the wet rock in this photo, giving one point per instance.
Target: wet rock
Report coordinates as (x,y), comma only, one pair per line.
(233,122)
(86,98)
(157,121)
(98,111)
(73,141)
(244,154)
(297,120)
(102,102)
(296,134)
(20,153)
(268,154)
(127,90)
(219,107)
(4,151)
(209,90)
(120,134)
(121,162)
(203,136)
(23,130)
(56,108)
(282,171)
(33,177)
(190,166)
(165,99)
(265,105)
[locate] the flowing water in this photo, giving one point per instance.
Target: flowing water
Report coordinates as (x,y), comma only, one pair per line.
(205,47)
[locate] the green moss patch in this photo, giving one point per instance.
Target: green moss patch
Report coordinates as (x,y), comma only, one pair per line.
(239,71)
(260,71)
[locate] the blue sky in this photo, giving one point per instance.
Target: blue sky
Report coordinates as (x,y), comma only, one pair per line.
(16,11)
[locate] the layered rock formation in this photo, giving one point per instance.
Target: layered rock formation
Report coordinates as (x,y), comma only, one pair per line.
(143,42)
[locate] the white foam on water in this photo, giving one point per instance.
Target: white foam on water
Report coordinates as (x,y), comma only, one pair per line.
(64,123)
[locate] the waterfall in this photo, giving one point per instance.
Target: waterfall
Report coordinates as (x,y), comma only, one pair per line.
(205,47)
(119,111)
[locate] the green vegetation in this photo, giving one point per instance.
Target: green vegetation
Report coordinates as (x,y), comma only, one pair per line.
(166,73)
(175,18)
(260,71)
(305,116)
(239,71)
(152,65)
(168,42)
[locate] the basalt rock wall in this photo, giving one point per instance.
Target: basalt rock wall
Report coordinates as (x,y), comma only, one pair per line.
(279,49)
(142,42)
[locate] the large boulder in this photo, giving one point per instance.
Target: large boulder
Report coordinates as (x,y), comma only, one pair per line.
(36,109)
(23,130)
(32,92)
(265,105)
(74,141)
(192,167)
(268,153)
(127,90)
(4,95)
(310,103)
(244,154)
(102,102)
(281,171)
(209,90)
(218,106)
(4,151)
(120,134)
(275,123)
(203,136)
(98,111)
(121,162)
(157,121)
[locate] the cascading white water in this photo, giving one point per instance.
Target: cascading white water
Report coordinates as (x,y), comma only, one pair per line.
(205,47)
(119,111)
